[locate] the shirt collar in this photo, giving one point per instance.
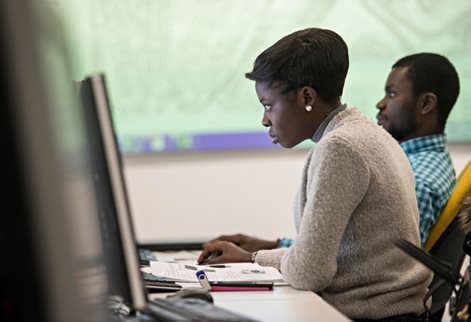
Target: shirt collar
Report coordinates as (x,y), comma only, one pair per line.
(425,143)
(320,130)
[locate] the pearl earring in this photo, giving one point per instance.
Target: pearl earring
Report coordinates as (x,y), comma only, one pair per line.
(308,108)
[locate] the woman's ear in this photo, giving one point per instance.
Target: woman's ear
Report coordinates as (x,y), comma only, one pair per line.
(309,95)
(428,102)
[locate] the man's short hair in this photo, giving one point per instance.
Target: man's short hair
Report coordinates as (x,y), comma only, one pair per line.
(310,57)
(433,73)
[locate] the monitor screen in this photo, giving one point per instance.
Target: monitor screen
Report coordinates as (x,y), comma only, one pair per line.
(112,203)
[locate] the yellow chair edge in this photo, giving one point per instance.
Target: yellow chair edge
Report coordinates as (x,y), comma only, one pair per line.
(451,208)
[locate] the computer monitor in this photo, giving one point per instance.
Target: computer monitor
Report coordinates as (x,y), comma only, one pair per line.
(47,273)
(115,218)
(112,201)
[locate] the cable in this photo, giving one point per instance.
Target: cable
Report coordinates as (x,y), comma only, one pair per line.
(430,317)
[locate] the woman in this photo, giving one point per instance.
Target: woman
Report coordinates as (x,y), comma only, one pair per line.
(356,194)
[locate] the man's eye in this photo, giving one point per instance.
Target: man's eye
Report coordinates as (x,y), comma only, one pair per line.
(267,107)
(391,94)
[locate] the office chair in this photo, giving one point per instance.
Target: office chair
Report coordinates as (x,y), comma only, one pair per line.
(445,241)
(462,309)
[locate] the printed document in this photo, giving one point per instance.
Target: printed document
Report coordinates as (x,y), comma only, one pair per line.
(231,272)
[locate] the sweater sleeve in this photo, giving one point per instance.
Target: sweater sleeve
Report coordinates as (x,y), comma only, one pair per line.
(270,257)
(337,180)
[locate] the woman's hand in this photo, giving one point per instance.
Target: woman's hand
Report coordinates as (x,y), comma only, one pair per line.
(250,244)
(228,253)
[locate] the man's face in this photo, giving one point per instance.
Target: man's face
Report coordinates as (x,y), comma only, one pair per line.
(397,110)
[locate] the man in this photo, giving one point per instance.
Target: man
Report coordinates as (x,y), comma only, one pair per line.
(419,95)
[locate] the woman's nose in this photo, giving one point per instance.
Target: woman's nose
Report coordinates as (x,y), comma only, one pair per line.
(265,121)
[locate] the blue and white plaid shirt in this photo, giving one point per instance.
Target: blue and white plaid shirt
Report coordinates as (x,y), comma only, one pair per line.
(435,177)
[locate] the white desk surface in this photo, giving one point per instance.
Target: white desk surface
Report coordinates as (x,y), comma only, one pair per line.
(284,303)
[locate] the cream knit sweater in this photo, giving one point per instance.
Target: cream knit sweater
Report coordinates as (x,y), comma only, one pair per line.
(357,195)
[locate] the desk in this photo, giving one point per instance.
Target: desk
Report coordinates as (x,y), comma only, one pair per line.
(284,303)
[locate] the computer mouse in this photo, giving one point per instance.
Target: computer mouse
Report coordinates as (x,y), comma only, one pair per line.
(192,293)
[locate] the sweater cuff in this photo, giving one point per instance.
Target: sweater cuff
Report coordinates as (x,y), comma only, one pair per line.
(270,257)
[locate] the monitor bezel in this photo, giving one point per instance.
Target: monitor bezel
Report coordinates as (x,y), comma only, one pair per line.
(119,191)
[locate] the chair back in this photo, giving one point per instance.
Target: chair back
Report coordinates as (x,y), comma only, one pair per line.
(451,208)
(446,238)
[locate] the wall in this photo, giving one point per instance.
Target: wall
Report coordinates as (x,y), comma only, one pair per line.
(175,69)
(199,196)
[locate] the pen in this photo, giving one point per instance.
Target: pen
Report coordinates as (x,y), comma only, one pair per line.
(193,268)
(218,266)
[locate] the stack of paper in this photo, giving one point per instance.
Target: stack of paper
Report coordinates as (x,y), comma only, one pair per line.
(233,272)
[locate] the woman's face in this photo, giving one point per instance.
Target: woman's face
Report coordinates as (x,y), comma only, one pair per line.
(285,114)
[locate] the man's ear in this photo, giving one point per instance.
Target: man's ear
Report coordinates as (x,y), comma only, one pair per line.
(309,95)
(428,103)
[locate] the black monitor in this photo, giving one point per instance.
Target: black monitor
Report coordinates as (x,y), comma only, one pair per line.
(115,218)
(52,266)
(112,202)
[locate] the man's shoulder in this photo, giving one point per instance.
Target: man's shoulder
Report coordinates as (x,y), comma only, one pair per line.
(429,162)
(424,158)
(433,170)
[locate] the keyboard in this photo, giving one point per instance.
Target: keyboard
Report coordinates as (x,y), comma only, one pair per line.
(157,284)
(191,309)
(145,256)
(152,278)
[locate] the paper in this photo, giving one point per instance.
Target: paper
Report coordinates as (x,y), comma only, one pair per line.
(235,272)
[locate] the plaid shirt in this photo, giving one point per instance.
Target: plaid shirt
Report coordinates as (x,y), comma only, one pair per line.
(434,177)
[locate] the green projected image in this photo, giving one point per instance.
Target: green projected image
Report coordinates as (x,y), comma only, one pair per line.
(175,69)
